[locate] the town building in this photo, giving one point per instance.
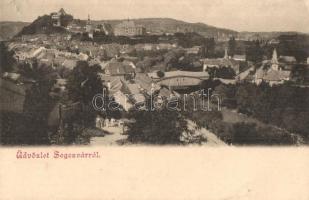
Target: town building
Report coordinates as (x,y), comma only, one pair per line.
(221,62)
(179,79)
(104,28)
(287,59)
(274,75)
(89,26)
(129,28)
(120,69)
(240,57)
(56,17)
(274,61)
(76,28)
(195,51)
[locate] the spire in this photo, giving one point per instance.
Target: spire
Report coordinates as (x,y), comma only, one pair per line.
(274,59)
(225,53)
(61,11)
(88,21)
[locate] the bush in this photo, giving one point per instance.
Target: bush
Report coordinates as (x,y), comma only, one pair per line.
(244,133)
(160,74)
(156,127)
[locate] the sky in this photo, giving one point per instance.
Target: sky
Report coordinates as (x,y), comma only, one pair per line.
(239,15)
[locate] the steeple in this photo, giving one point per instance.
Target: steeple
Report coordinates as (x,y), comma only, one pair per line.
(88,21)
(88,25)
(274,61)
(61,12)
(226,56)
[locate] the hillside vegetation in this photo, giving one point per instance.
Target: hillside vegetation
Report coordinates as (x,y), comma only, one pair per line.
(43,24)
(159,25)
(10,29)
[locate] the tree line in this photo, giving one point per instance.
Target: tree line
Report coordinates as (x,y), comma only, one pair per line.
(285,105)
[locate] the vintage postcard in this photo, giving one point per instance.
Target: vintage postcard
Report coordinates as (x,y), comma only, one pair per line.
(107,85)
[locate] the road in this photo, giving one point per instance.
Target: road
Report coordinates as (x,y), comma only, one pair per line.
(114,138)
(117,138)
(212,139)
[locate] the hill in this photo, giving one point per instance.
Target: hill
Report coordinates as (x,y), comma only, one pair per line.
(43,24)
(168,25)
(265,35)
(10,29)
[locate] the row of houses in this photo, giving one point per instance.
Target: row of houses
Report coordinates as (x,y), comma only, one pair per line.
(227,61)
(50,57)
(128,86)
(275,71)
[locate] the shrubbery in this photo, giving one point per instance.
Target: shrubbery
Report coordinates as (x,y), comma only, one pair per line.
(285,106)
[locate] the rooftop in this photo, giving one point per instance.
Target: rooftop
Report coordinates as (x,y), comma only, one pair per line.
(180,73)
(118,68)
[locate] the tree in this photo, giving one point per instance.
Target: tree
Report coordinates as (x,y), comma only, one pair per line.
(245,133)
(171,58)
(7,61)
(146,63)
(37,108)
(77,112)
(156,127)
(210,84)
(225,72)
(296,45)
(254,52)
(210,47)
(246,96)
(299,73)
(227,94)
(161,126)
(84,83)
(38,72)
(232,46)
(160,74)
(66,20)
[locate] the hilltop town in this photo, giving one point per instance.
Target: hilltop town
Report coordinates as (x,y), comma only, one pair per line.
(257,88)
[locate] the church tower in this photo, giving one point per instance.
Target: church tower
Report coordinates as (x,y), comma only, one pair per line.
(88,25)
(274,61)
(226,56)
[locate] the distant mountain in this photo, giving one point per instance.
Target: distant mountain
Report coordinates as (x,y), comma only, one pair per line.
(10,29)
(168,25)
(265,35)
(43,24)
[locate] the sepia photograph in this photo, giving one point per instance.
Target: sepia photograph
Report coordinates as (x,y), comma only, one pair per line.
(85,75)
(160,74)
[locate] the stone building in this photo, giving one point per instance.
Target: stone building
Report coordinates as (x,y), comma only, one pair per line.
(275,74)
(56,17)
(89,26)
(129,28)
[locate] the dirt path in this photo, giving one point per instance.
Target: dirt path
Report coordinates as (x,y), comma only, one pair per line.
(117,138)
(114,138)
(212,139)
